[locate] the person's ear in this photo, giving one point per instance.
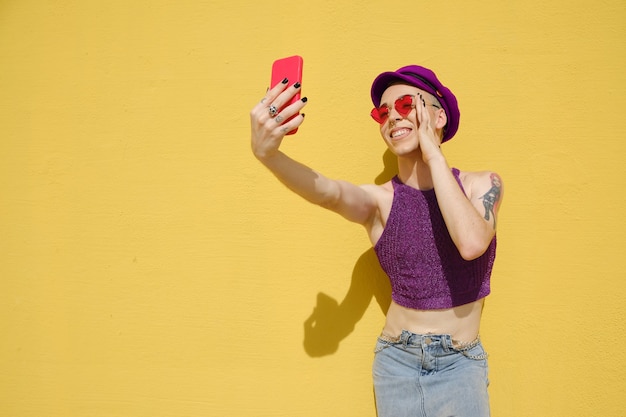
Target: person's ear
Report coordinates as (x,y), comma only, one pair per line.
(442,119)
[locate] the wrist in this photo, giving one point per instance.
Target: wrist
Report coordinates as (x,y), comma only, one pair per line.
(266,158)
(436,160)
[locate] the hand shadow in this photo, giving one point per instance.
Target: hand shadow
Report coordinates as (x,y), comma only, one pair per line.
(332,322)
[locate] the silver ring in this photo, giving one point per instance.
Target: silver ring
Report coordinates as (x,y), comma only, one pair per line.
(279,119)
(273,110)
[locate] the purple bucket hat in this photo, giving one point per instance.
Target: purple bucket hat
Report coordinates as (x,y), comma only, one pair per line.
(426,80)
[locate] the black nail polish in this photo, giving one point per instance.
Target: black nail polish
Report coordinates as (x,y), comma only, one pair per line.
(296,85)
(304,99)
(302,115)
(285,81)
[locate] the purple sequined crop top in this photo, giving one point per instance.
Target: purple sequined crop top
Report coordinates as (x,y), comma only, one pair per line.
(424,266)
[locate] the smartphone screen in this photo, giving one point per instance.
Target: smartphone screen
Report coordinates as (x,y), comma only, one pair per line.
(290,68)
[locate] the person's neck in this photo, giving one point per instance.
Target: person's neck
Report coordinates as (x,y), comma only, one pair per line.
(414,172)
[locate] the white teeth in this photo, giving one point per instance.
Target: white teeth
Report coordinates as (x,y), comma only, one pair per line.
(399,133)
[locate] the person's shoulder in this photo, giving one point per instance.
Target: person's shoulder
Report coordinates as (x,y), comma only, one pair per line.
(477,175)
(478,182)
(382,193)
(378,189)
(383,188)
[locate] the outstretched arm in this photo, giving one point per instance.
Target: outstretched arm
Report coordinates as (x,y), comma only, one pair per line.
(268,130)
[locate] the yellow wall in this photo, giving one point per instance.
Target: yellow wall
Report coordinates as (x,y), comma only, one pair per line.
(151,267)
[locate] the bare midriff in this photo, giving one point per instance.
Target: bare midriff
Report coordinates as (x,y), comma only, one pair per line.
(462,322)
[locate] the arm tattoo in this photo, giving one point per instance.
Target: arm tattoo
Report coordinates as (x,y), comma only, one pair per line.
(491,198)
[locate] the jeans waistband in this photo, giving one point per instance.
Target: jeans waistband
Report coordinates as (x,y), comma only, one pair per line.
(427,339)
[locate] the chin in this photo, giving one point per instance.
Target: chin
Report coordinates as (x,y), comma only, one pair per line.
(402,149)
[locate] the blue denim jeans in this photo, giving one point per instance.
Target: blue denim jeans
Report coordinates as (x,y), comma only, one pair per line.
(430,376)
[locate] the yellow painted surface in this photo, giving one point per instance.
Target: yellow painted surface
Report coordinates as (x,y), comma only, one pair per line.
(149,266)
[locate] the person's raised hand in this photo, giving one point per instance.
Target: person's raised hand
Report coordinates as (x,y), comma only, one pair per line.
(429,142)
(269,122)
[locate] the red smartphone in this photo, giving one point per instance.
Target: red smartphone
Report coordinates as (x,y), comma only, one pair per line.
(290,68)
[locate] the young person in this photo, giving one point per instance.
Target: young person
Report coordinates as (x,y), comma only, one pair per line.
(433,228)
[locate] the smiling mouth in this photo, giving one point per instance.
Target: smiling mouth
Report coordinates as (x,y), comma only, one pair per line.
(399,133)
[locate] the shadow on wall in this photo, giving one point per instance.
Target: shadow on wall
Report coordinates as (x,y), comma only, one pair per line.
(331,322)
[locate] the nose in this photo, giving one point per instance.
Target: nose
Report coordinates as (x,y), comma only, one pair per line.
(394,115)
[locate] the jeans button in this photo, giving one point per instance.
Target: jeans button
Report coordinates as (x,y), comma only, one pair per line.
(428,340)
